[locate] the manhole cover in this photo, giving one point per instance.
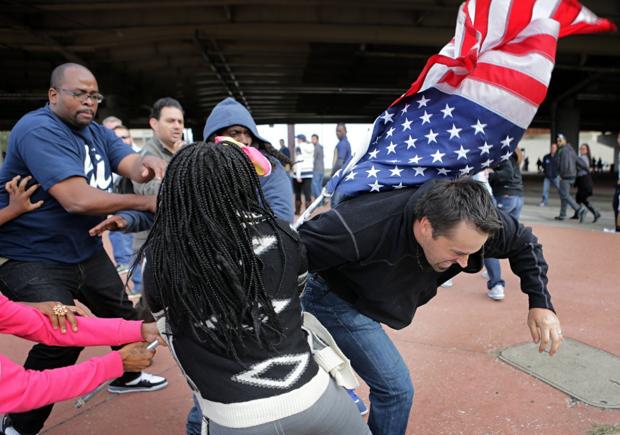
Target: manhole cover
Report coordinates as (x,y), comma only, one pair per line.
(581,371)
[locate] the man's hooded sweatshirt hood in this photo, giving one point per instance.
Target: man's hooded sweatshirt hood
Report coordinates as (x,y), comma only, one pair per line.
(229,112)
(277,187)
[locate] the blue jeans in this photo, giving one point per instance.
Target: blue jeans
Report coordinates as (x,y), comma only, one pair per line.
(547,182)
(513,206)
(136,278)
(194,420)
(121,246)
(373,356)
(317,184)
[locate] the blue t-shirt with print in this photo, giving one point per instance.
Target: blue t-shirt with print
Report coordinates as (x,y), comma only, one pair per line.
(51,151)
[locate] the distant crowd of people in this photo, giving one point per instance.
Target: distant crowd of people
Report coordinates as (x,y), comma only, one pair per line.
(562,169)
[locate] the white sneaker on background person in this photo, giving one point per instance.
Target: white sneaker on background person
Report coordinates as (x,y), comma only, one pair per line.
(143,383)
(496,293)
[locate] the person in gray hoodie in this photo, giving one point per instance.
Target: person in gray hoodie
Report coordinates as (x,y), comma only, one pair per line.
(567,161)
(230,118)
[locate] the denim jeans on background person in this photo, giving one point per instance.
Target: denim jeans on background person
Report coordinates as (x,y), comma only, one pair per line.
(373,355)
(512,205)
(565,196)
(317,184)
(94,282)
(121,247)
(136,278)
(547,182)
(194,419)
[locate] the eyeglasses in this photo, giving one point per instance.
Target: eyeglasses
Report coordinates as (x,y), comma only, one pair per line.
(83,96)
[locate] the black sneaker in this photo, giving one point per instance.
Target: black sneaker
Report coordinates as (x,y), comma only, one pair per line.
(560,218)
(144,382)
(6,427)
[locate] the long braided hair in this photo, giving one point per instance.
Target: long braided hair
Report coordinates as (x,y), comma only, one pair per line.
(200,248)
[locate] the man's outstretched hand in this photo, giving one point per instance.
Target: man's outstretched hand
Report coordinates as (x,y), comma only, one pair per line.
(151,168)
(545,329)
(112,223)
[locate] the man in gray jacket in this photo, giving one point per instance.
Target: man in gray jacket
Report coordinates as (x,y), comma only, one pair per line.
(567,161)
(167,122)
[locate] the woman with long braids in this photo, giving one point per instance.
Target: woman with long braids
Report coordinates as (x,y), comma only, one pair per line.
(223,277)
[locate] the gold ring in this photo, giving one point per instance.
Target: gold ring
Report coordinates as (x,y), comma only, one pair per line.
(60,310)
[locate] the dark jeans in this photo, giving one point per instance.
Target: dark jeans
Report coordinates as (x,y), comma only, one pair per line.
(94,282)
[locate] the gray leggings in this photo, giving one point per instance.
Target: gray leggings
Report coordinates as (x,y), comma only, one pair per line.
(333,414)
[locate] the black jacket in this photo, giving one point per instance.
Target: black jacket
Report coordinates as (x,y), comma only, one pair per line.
(550,167)
(366,251)
(506,178)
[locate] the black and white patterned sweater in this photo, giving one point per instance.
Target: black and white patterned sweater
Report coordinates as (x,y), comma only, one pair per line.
(272,384)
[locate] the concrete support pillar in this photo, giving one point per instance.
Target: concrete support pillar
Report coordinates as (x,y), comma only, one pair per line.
(568,123)
(290,129)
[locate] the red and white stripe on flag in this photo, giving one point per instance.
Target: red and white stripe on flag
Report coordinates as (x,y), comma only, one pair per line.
(503,53)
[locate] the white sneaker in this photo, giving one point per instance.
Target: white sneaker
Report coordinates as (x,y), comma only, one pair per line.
(485,274)
(449,283)
(496,293)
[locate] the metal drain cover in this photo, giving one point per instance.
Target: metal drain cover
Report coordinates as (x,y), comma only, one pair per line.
(579,370)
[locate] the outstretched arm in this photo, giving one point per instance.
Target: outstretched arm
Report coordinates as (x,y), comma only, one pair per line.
(76,196)
(521,247)
(29,323)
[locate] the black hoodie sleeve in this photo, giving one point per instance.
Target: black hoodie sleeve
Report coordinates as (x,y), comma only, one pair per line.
(521,247)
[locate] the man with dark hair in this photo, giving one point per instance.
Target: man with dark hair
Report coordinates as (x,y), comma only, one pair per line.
(377,257)
(48,253)
(167,122)
(342,152)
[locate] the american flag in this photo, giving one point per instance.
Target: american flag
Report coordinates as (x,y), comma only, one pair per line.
(471,104)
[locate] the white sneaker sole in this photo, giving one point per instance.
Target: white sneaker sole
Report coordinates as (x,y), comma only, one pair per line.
(124,390)
(496,298)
